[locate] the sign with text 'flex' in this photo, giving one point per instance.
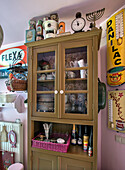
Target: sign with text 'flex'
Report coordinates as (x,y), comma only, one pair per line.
(11,56)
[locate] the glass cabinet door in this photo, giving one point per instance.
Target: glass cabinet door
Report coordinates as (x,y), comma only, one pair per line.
(44,80)
(77,82)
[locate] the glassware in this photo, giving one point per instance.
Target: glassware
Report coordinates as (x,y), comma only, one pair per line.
(46,128)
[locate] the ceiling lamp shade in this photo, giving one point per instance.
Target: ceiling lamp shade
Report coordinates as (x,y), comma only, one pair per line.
(1,35)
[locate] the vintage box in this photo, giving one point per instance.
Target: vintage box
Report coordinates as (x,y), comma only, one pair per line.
(6,159)
(116,110)
(30,35)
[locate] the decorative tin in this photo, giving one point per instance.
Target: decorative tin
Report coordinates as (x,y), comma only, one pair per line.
(116,49)
(50,27)
(54,17)
(32,24)
(61,27)
(116,110)
(30,35)
(6,159)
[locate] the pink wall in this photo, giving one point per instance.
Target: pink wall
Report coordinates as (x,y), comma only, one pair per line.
(112,152)
(11,114)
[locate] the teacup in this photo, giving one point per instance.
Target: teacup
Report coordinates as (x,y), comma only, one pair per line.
(49,77)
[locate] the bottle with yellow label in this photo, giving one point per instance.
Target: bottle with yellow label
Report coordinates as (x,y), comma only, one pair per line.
(85,139)
(74,136)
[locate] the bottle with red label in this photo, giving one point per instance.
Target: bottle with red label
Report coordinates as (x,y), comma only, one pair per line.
(90,148)
(39,30)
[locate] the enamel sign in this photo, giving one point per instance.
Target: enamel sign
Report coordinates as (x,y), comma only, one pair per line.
(11,56)
(116,110)
(116,49)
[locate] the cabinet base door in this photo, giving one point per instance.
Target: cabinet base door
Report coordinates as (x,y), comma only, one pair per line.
(71,164)
(43,161)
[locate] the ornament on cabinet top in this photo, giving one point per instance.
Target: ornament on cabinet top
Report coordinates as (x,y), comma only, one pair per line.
(78,23)
(94,16)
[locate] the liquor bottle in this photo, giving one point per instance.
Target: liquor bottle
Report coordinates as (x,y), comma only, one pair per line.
(85,139)
(80,135)
(74,136)
(90,148)
(39,30)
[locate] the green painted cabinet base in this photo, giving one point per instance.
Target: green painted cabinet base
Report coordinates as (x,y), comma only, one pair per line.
(42,161)
(70,164)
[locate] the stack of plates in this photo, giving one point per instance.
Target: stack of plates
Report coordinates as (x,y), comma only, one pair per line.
(46,98)
(46,103)
(46,107)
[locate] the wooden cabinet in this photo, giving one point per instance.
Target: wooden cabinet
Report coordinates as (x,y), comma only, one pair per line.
(63,90)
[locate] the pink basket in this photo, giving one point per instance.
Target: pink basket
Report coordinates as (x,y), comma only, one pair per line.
(52,146)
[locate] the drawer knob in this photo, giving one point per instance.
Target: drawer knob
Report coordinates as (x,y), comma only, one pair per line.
(56,92)
(61,91)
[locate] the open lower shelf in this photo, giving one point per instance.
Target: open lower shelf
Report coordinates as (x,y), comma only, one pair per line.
(75,152)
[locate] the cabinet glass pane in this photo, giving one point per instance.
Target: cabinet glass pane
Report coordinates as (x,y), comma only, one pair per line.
(76,85)
(76,103)
(76,80)
(45,102)
(76,57)
(46,81)
(46,61)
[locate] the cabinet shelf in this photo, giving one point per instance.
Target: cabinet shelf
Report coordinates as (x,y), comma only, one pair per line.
(44,92)
(45,81)
(76,91)
(73,79)
(45,71)
(63,121)
(76,79)
(76,68)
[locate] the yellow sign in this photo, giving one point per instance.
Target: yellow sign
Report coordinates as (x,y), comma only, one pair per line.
(116,49)
(116,110)
(116,78)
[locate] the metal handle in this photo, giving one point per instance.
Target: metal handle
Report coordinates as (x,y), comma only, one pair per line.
(61,91)
(56,92)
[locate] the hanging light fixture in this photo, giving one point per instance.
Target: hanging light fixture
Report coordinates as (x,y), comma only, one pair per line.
(1,35)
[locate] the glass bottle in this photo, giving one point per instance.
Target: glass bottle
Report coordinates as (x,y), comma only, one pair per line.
(39,30)
(74,136)
(90,148)
(85,139)
(80,136)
